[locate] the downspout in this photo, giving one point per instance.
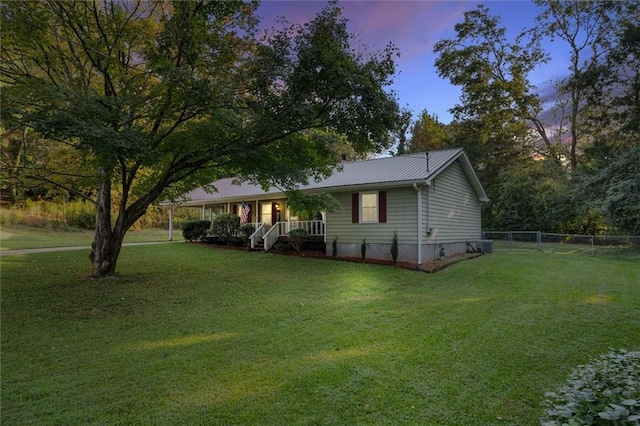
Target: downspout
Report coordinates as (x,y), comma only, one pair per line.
(419,196)
(428,212)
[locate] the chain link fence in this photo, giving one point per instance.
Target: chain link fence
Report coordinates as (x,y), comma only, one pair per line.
(600,245)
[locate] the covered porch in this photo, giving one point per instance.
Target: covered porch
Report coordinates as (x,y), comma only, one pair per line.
(266,210)
(266,236)
(272,221)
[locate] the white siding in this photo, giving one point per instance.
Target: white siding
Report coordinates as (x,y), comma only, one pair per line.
(402,217)
(454,208)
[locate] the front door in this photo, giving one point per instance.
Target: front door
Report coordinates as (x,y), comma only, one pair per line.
(269,213)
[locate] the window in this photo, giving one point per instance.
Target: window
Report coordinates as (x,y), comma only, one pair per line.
(369,207)
(266,216)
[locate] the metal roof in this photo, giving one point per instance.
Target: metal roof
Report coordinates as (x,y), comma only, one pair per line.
(381,172)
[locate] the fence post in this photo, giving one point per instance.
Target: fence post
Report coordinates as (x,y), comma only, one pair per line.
(510,239)
(539,240)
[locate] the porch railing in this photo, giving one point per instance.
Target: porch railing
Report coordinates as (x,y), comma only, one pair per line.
(314,228)
(257,235)
(271,237)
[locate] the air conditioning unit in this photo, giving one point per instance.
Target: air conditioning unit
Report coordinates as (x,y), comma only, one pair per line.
(484,246)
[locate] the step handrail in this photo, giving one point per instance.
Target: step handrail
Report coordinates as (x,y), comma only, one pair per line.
(313,228)
(259,232)
(271,236)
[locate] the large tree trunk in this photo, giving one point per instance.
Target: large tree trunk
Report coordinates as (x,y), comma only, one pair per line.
(107,240)
(106,243)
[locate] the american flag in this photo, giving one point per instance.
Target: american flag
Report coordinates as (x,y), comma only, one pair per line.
(244,213)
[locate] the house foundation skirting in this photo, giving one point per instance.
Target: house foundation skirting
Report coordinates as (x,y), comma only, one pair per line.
(406,252)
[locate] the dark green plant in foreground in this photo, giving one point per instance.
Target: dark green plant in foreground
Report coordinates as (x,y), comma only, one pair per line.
(604,392)
(246,231)
(394,247)
(297,238)
(226,227)
(195,230)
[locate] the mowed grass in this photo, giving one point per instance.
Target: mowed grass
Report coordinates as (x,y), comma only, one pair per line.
(187,334)
(13,238)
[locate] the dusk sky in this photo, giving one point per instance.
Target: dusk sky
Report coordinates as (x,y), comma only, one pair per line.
(415,27)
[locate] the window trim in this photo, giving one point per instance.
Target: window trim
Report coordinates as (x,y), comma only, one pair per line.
(374,208)
(357,207)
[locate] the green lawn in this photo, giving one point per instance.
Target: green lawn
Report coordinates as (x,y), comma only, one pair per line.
(188,334)
(26,238)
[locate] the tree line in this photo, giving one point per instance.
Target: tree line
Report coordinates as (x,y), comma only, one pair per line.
(565,162)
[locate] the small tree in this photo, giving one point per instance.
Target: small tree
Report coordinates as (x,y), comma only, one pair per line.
(226,227)
(394,247)
(246,230)
(297,238)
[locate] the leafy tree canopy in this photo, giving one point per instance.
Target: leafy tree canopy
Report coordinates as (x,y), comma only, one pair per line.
(157,98)
(427,133)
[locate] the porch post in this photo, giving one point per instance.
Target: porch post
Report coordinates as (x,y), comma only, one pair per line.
(204,212)
(256,215)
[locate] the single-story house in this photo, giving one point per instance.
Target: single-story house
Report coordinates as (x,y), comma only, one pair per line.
(430,200)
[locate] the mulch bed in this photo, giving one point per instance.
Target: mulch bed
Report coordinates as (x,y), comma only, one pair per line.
(429,267)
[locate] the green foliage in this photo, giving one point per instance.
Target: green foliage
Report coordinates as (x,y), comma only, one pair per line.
(394,247)
(401,131)
(532,196)
(603,392)
(581,95)
(135,91)
(623,85)
(81,215)
(225,227)
(363,248)
(61,215)
(43,214)
(612,188)
(307,205)
(493,76)
(195,230)
(245,231)
(297,238)
(334,246)
(427,134)
(281,246)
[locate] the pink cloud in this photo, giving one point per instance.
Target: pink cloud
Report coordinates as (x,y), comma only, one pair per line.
(412,26)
